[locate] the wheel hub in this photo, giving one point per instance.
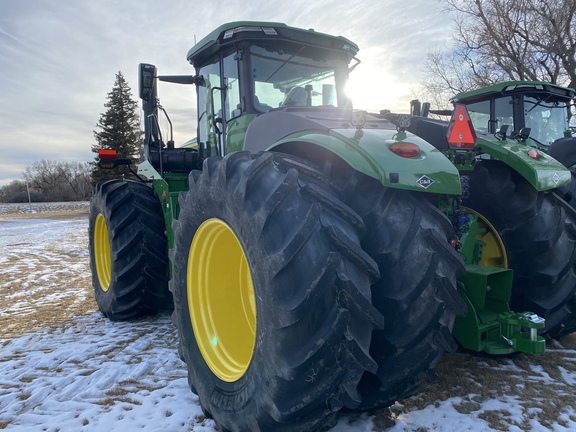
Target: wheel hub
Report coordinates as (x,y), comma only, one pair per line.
(221,300)
(493,250)
(102,253)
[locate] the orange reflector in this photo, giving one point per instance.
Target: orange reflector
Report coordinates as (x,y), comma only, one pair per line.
(105,165)
(461,134)
(534,154)
(405,150)
(106,154)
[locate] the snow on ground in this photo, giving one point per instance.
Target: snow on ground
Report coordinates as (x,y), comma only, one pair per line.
(63,367)
(43,261)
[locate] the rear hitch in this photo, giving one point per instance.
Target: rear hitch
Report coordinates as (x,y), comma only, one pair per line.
(489,324)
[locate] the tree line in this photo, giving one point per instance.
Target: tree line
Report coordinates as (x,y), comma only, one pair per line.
(46,181)
(117,129)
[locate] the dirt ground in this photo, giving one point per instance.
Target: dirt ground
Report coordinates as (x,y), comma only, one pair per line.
(544,384)
(53,285)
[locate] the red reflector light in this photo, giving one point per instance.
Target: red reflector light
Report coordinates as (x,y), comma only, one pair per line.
(461,134)
(405,150)
(107,154)
(534,154)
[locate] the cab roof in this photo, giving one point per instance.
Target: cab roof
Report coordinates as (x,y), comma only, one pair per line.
(515,87)
(229,33)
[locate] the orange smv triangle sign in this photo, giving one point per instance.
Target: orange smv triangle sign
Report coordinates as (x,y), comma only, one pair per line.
(461,134)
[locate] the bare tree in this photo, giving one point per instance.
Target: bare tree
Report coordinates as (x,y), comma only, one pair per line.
(77,176)
(501,40)
(14,192)
(45,176)
(57,181)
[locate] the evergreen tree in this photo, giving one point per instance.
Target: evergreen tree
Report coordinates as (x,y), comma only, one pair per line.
(119,129)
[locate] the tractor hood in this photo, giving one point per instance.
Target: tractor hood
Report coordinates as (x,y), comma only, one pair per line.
(368,143)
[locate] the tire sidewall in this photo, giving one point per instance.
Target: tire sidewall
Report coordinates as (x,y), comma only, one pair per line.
(104,299)
(252,388)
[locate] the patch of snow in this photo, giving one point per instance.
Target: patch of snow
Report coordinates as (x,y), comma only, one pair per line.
(90,374)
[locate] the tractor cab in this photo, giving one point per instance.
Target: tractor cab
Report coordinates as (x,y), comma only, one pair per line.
(533,109)
(535,112)
(246,69)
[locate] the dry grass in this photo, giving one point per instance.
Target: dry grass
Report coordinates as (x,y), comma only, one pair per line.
(34,286)
(44,210)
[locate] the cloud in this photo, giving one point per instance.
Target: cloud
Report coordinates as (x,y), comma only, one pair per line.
(59,59)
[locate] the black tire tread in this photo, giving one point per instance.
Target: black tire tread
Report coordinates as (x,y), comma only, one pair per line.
(409,240)
(138,248)
(301,278)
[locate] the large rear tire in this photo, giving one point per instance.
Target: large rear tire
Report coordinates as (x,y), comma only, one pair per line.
(272,295)
(538,231)
(568,193)
(410,241)
(128,250)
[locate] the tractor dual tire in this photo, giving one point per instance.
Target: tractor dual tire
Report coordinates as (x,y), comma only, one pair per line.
(538,232)
(417,294)
(272,295)
(568,193)
(128,250)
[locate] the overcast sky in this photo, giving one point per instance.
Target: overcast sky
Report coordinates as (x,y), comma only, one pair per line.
(58,59)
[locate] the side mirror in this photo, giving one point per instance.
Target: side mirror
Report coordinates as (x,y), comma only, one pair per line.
(146,81)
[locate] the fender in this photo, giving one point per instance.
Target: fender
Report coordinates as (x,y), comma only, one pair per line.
(543,173)
(365,149)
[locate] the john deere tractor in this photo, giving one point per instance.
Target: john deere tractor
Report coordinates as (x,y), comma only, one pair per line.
(515,188)
(308,248)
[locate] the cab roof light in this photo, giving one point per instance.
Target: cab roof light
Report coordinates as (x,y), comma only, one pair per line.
(461,134)
(523,86)
(267,30)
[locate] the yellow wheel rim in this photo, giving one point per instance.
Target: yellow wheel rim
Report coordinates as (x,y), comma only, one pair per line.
(494,251)
(221,300)
(102,253)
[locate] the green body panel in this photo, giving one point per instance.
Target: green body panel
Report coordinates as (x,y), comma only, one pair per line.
(471,251)
(489,325)
(167,188)
(367,150)
(543,174)
(236,132)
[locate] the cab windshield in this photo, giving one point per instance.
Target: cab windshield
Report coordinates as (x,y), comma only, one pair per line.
(297,75)
(547,120)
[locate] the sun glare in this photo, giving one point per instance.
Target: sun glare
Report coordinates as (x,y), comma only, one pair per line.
(372,88)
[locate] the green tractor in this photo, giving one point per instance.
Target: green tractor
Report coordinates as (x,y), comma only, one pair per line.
(307,248)
(514,186)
